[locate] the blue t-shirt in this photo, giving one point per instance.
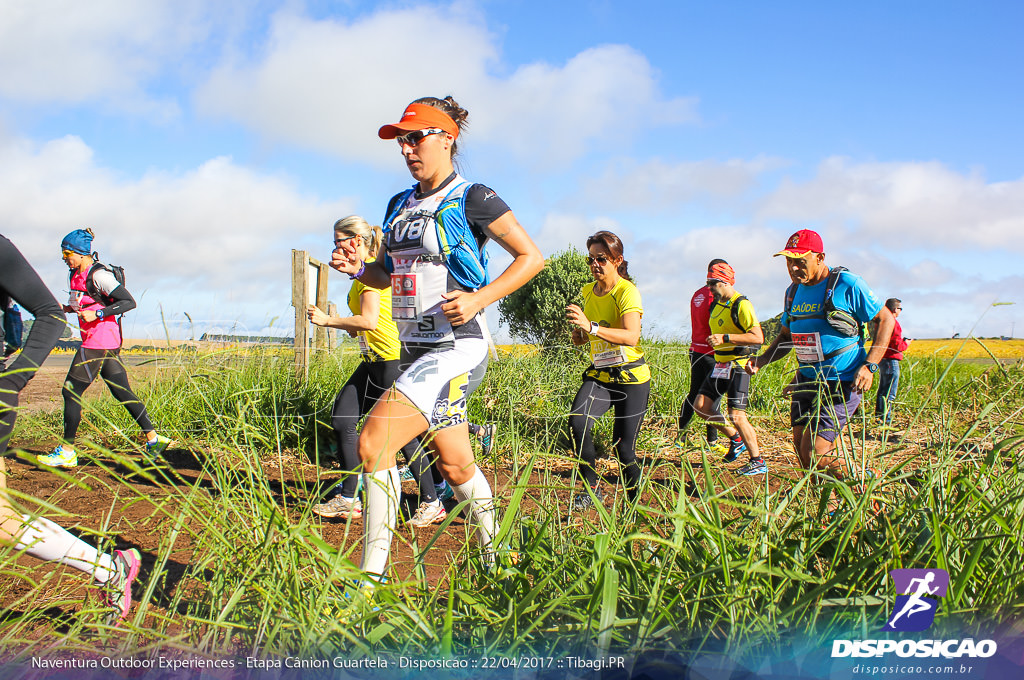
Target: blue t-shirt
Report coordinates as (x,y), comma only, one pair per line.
(814,338)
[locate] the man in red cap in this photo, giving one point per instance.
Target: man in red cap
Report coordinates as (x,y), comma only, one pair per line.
(822,320)
(735,335)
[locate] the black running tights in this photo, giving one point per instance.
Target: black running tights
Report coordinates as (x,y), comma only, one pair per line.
(19,280)
(111,370)
(593,400)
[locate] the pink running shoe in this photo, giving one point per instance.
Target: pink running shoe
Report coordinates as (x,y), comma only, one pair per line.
(117,592)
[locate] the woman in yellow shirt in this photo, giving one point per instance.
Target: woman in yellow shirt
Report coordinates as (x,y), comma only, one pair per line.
(380,350)
(618,376)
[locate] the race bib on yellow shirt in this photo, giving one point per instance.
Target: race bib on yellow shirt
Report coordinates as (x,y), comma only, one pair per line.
(605,354)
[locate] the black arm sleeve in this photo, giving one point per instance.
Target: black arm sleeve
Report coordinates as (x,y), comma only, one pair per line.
(122,302)
(19,280)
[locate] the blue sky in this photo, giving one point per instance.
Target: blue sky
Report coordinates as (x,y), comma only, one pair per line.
(202,141)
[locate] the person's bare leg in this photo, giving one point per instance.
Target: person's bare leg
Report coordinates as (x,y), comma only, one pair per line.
(746,430)
(455,454)
(391,424)
(705,408)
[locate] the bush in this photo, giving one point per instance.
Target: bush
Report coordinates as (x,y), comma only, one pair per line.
(536,312)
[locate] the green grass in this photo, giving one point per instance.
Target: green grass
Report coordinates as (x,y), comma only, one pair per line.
(700,564)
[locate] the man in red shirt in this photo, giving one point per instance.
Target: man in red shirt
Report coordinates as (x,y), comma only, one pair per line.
(702,359)
(889,367)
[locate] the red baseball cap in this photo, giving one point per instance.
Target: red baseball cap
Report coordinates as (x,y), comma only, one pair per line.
(801,244)
(420,117)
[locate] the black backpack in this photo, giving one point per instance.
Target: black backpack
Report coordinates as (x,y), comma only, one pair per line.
(841,320)
(91,289)
(734,309)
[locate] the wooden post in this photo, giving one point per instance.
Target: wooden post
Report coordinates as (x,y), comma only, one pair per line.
(322,341)
(300,299)
(332,333)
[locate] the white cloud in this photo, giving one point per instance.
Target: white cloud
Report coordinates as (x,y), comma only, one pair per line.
(101,51)
(656,185)
(910,205)
(217,236)
(329,84)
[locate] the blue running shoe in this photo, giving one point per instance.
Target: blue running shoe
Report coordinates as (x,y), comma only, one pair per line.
(735,449)
(445,492)
(756,466)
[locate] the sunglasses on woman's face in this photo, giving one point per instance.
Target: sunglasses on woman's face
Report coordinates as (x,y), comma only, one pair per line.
(340,240)
(600,259)
(416,136)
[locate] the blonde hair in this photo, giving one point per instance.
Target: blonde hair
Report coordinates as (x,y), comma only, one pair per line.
(354,225)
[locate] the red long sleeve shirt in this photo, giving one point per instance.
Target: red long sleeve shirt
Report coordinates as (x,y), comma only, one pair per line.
(700,315)
(896,344)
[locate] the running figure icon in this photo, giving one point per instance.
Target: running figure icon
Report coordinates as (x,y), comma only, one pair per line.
(914,610)
(915,604)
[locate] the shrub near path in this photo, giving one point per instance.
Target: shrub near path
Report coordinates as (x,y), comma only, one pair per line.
(236,564)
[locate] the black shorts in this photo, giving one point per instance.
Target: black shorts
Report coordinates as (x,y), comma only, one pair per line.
(736,387)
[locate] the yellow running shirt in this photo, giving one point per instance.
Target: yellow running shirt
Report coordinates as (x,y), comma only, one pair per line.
(382,343)
(721,322)
(607,311)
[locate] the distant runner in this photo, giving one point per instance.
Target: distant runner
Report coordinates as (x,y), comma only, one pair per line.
(735,335)
(38,536)
(98,298)
(889,366)
(618,377)
(826,332)
(702,360)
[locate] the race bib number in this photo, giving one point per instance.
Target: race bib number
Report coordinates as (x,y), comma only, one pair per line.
(808,348)
(75,300)
(405,296)
(722,370)
(606,355)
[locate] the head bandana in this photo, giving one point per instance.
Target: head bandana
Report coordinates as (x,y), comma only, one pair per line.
(79,241)
(722,272)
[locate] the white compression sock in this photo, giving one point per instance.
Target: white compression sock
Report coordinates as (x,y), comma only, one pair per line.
(380,515)
(481,503)
(45,540)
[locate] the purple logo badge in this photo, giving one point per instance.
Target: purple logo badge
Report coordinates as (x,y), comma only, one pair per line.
(914,610)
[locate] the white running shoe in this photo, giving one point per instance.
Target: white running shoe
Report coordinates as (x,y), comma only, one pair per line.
(427,514)
(340,506)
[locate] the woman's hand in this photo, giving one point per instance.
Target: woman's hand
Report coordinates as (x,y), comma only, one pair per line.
(576,316)
(87,315)
(345,262)
(316,315)
(462,307)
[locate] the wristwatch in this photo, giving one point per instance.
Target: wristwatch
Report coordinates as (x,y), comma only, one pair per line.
(99,313)
(872,367)
(593,327)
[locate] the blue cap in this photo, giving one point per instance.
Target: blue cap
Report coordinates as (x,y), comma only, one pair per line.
(79,241)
